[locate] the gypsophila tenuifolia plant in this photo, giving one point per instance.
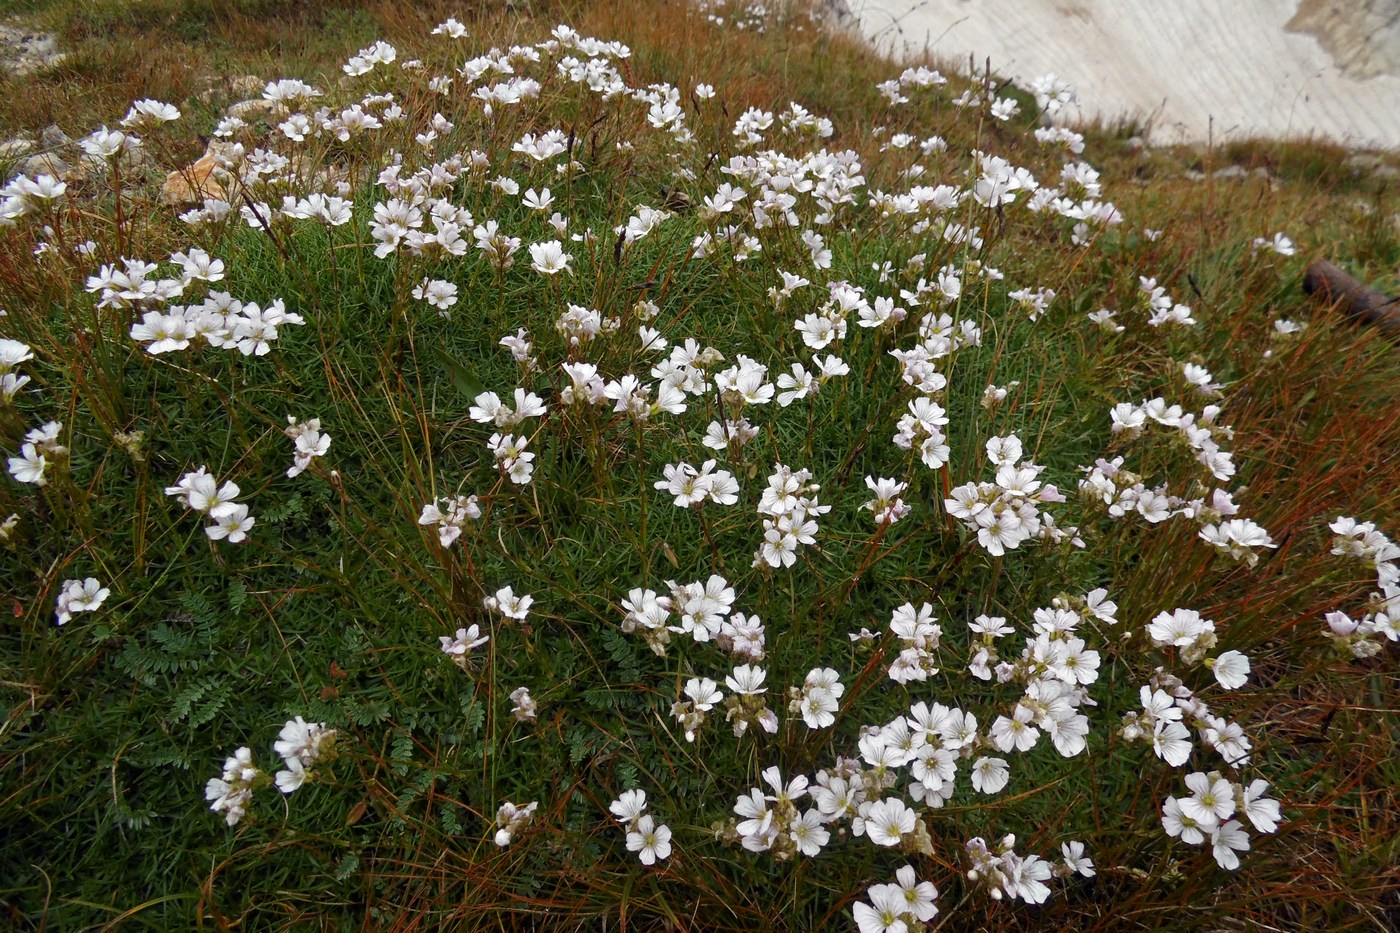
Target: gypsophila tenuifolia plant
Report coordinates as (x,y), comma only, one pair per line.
(801,477)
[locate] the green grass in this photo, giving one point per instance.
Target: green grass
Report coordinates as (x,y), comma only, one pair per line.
(333,608)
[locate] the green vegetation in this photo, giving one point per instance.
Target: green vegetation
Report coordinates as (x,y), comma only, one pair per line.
(334,606)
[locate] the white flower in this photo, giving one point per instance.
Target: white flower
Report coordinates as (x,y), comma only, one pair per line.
(12,353)
(508,604)
(450,27)
(29,466)
(1179,628)
(549,258)
(1177,824)
(108,144)
(884,913)
(1225,841)
(1231,670)
(819,708)
(1172,742)
(293,777)
(80,596)
(747,680)
(1004,451)
(809,833)
(149,113)
(1075,859)
(888,821)
(436,292)
(1212,799)
(990,775)
(649,840)
(306,742)
(525,706)
(538,201)
(1280,244)
(465,640)
(628,807)
(1264,814)
(919,896)
(703,692)
(1015,732)
(234,524)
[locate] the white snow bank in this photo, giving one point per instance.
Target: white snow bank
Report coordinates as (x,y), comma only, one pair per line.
(1196,68)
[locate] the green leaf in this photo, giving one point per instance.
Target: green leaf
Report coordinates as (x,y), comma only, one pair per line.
(465,381)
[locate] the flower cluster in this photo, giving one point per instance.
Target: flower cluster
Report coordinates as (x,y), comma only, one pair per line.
(1169,711)
(308,443)
(702,694)
(1207,814)
(692,488)
(12,353)
(1004,874)
(1163,309)
(819,698)
(773,823)
(1361,541)
(790,508)
(649,839)
(450,515)
(232,791)
(220,320)
(1192,637)
(201,492)
(79,596)
(921,428)
(300,744)
(443,223)
(41,449)
(508,604)
(1005,513)
(898,906)
(919,633)
(511,819)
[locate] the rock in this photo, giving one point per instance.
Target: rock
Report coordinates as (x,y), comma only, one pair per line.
(243,86)
(54,138)
(1363,160)
(1135,144)
(47,163)
(24,52)
(246,85)
(193,183)
(248,109)
(12,150)
(1230,171)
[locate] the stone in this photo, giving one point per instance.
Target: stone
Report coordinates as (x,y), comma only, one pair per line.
(248,109)
(24,52)
(12,150)
(193,183)
(54,138)
(47,163)
(246,85)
